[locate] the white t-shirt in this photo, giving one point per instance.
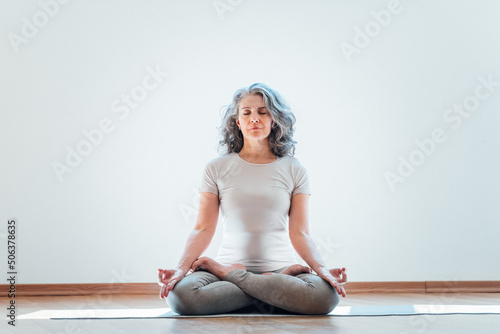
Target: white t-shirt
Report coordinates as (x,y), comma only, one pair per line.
(255,202)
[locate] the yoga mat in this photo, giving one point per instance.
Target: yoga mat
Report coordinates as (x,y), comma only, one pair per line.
(342,311)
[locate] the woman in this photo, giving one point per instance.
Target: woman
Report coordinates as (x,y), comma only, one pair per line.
(263,194)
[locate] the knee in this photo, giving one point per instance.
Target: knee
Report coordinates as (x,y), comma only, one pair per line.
(182,299)
(324,298)
(329,302)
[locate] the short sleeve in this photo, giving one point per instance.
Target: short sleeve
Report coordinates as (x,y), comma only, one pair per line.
(209,180)
(300,181)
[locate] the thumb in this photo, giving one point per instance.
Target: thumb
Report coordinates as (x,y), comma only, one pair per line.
(171,284)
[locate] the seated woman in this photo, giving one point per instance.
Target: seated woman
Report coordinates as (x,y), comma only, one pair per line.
(263,194)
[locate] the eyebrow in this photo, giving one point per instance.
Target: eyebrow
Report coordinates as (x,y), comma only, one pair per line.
(250,108)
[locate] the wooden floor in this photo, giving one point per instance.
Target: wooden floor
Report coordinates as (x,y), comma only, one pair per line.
(470,324)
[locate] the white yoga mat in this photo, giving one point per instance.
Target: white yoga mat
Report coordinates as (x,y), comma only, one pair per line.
(343,311)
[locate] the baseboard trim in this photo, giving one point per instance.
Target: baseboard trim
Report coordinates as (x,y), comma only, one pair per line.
(153,288)
(81,289)
(423,287)
(462,286)
(384,287)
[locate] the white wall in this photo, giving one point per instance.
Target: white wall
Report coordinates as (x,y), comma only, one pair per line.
(127,207)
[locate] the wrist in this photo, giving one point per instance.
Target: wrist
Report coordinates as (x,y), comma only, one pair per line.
(321,269)
(183,267)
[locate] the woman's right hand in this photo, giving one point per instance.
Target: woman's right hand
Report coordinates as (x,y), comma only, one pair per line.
(167,278)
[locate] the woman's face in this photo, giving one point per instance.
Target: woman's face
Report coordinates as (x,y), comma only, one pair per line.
(254,119)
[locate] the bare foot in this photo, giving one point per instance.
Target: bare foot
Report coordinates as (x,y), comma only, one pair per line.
(214,267)
(296,269)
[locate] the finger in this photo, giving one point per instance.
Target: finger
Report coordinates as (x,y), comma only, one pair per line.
(337,272)
(342,279)
(160,276)
(198,267)
(340,274)
(170,285)
(162,291)
(343,291)
(335,285)
(338,287)
(195,265)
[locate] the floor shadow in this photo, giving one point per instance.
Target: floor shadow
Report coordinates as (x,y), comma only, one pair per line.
(259,307)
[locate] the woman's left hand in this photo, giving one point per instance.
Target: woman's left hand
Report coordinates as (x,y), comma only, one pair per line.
(336,277)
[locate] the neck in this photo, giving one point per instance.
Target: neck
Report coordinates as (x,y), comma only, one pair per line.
(256,151)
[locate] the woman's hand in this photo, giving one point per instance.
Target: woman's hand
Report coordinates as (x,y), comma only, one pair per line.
(167,278)
(336,277)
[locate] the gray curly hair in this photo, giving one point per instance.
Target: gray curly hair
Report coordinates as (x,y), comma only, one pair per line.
(280,138)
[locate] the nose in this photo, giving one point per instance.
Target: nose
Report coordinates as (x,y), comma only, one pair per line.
(254,120)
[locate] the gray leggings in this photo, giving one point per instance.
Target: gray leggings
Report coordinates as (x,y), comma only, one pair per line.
(201,292)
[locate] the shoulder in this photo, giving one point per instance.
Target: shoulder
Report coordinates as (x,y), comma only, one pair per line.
(294,163)
(220,160)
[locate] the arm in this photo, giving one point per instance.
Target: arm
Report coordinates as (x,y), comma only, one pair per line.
(305,246)
(299,233)
(203,232)
(198,241)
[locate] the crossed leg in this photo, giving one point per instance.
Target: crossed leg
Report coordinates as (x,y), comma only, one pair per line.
(304,293)
(220,289)
(202,292)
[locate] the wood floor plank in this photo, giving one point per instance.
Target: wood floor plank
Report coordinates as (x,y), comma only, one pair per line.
(334,325)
